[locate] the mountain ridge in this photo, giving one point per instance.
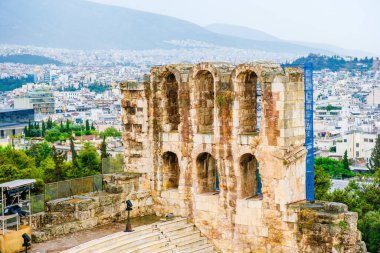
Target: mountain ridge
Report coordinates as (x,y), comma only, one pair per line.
(254,34)
(77,24)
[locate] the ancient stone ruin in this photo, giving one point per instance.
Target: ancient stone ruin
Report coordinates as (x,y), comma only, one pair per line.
(223,145)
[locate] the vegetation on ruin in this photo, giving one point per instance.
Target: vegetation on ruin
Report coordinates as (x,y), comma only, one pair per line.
(224,99)
(335,63)
(363,198)
(307,218)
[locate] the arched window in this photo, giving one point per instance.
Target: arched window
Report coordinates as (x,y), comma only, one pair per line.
(208,178)
(250,180)
(248,94)
(170,171)
(204,97)
(171,95)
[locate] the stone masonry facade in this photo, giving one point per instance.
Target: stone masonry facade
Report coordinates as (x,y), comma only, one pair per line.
(223,145)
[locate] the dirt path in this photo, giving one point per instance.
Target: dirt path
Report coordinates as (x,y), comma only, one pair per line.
(72,240)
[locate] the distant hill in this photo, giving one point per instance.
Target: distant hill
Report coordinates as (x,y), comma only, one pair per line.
(79,24)
(241,32)
(253,34)
(335,63)
(28,59)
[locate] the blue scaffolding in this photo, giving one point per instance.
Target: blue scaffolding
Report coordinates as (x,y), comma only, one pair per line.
(309,129)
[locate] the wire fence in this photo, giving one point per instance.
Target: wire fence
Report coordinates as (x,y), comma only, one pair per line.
(112,165)
(77,186)
(37,203)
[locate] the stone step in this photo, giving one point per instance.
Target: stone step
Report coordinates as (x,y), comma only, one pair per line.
(167,249)
(167,224)
(206,248)
(131,243)
(178,229)
(149,247)
(94,245)
(185,235)
(191,243)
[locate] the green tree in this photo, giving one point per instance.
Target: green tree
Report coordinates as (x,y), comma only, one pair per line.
(333,167)
(58,159)
(67,126)
(88,160)
(61,128)
(110,132)
(346,164)
(48,168)
(370,228)
(39,151)
(74,155)
(322,182)
(374,160)
(92,127)
(49,124)
(52,135)
(43,129)
(16,164)
(26,132)
(103,149)
(88,129)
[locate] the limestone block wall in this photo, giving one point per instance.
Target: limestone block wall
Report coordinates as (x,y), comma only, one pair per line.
(134,119)
(237,150)
(68,215)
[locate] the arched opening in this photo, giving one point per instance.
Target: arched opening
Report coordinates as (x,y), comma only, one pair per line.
(207,171)
(250,180)
(248,93)
(204,97)
(170,171)
(171,95)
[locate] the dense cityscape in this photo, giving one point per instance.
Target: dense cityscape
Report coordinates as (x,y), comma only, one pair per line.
(187,137)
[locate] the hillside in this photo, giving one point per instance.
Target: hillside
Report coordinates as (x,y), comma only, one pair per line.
(28,59)
(79,24)
(253,34)
(241,32)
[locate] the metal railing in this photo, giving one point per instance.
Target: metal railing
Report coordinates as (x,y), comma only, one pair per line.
(37,203)
(72,187)
(112,165)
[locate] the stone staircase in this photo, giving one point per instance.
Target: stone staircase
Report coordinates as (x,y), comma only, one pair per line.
(175,236)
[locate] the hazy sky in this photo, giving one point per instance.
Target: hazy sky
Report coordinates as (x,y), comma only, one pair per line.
(351,24)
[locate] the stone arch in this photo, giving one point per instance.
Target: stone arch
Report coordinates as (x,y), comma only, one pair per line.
(171,91)
(204,93)
(170,171)
(270,94)
(207,173)
(250,180)
(248,97)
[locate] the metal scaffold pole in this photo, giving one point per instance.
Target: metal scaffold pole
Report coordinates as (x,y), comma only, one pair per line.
(309,131)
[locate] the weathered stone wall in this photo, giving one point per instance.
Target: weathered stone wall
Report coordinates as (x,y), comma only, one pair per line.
(64,216)
(217,143)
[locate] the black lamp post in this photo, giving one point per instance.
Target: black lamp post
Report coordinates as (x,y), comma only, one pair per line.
(128,227)
(26,243)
